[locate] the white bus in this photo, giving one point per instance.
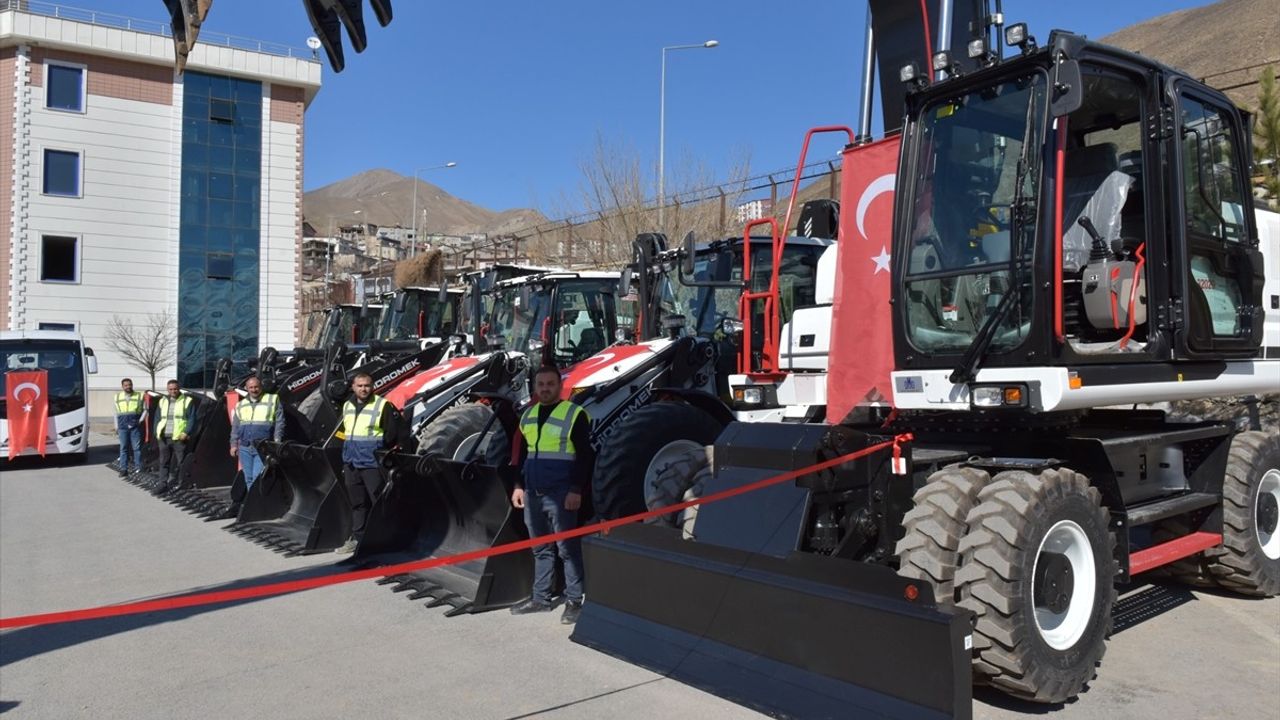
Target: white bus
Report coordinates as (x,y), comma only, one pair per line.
(64,356)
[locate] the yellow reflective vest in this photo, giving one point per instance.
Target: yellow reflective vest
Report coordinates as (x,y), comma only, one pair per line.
(173,416)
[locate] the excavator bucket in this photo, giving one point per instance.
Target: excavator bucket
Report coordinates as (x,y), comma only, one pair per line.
(744,613)
(432,507)
(299,505)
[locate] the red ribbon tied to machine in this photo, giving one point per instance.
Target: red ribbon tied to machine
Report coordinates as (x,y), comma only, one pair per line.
(280,588)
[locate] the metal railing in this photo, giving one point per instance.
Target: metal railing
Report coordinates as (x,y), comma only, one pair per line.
(153,27)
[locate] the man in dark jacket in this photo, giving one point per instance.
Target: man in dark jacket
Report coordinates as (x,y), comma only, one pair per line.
(369,423)
(553,451)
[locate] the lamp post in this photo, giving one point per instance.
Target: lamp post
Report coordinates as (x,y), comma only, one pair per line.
(662,124)
(413,252)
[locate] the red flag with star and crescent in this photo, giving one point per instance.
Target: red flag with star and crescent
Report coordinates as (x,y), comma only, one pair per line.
(27,393)
(861,357)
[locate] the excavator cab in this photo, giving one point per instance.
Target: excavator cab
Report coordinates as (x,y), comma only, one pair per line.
(1038,242)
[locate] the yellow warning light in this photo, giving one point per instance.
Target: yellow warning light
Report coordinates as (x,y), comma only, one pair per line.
(1075,382)
(1013,396)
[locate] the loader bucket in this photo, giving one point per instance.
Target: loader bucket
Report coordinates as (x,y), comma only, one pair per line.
(209,473)
(433,507)
(801,636)
(299,505)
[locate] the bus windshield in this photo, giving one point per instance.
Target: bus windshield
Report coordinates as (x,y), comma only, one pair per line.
(60,358)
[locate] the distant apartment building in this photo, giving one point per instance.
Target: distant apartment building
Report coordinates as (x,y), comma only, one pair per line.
(129,190)
(753,210)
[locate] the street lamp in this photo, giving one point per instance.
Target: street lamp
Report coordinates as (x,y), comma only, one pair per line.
(662,123)
(413,243)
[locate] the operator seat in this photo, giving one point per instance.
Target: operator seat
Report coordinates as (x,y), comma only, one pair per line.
(1094,187)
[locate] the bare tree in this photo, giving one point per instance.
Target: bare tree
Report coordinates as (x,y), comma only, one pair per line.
(614,202)
(148,344)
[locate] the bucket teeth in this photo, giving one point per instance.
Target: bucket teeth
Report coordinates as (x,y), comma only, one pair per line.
(392,579)
(425,590)
(459,609)
(446,599)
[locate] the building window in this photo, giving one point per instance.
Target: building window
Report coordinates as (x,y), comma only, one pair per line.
(220,266)
(59,259)
(67,327)
(222,111)
(64,87)
(62,173)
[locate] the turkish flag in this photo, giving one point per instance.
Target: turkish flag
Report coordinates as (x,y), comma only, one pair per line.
(27,393)
(861,357)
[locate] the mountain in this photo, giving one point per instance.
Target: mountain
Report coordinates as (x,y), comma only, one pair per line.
(385,198)
(1224,43)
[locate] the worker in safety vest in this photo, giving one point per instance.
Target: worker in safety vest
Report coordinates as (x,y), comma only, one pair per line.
(258,416)
(553,451)
(175,421)
(369,423)
(128,406)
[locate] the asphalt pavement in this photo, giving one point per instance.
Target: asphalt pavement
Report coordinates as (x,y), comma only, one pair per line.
(77,536)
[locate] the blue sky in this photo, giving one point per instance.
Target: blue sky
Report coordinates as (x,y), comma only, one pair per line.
(515,92)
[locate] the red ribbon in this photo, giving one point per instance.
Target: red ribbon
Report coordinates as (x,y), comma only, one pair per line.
(290,586)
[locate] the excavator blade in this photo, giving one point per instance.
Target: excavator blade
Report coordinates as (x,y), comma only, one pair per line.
(743,613)
(802,636)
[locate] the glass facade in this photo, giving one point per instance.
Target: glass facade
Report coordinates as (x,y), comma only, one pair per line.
(220,222)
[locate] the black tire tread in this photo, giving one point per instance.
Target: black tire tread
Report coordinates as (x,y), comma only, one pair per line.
(682,479)
(990,583)
(1238,565)
(445,434)
(616,489)
(938,519)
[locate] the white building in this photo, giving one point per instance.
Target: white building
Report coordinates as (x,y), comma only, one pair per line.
(128,190)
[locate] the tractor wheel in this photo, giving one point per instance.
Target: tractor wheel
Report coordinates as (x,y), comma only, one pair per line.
(1249,560)
(929,550)
(1036,569)
(454,433)
(649,439)
(682,478)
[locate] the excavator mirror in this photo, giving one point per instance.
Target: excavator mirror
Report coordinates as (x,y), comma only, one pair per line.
(624,282)
(401,299)
(335,318)
(1068,87)
(686,262)
(443,295)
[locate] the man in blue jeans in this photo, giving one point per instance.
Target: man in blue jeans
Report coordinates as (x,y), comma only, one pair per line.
(129,427)
(553,452)
(258,416)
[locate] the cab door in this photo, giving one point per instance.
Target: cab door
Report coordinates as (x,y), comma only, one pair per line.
(1217,262)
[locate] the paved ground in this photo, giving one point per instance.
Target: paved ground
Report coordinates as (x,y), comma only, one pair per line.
(72,537)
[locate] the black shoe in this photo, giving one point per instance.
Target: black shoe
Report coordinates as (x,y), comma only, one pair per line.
(571,610)
(230,513)
(162,489)
(124,473)
(530,606)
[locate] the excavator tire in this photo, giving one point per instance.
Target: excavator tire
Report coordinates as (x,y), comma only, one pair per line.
(939,517)
(1036,569)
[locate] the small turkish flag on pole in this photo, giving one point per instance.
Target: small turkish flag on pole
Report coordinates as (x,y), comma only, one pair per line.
(27,393)
(861,357)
